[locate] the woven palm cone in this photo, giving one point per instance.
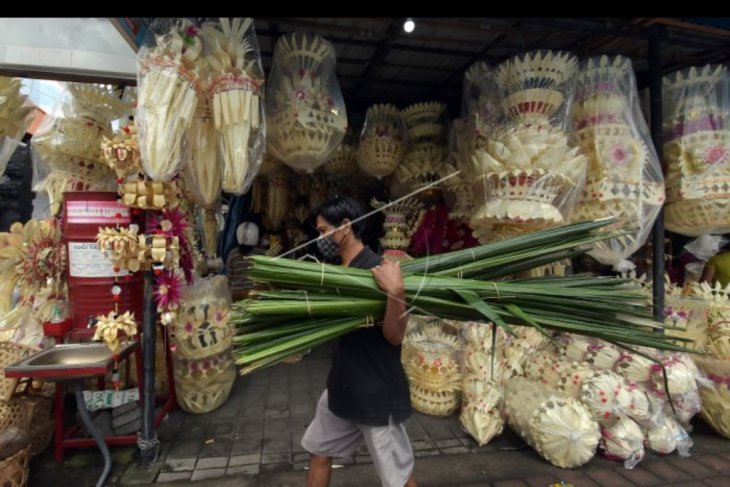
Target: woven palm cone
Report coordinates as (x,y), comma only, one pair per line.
(423,113)
(382,142)
(533,85)
(460,193)
(559,428)
(624,177)
(529,177)
(420,169)
(398,226)
(343,161)
(235,91)
(121,152)
(15,116)
(306,110)
(167,98)
(697,149)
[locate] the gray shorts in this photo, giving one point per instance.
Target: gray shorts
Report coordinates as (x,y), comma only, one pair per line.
(331,436)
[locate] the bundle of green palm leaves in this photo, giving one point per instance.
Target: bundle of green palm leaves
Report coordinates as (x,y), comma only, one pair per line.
(299,305)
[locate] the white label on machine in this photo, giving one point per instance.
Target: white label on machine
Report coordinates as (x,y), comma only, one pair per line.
(86,260)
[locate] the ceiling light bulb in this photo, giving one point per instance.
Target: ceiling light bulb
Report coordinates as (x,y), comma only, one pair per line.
(409,25)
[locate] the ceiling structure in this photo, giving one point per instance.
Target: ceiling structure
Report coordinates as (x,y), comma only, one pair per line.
(377,61)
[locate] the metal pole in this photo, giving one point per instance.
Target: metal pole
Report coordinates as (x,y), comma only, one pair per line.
(655,91)
(149,445)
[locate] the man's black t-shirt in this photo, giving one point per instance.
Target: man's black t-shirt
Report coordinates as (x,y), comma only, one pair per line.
(366,383)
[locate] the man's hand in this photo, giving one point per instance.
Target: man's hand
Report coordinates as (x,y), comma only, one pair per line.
(389,278)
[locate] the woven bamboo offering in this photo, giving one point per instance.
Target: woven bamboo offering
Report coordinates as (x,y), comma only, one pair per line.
(624,176)
(150,195)
(524,173)
(202,172)
(422,167)
(398,225)
(15,116)
(235,91)
(559,428)
(306,122)
(382,143)
(204,368)
(697,148)
(121,152)
(167,99)
(343,162)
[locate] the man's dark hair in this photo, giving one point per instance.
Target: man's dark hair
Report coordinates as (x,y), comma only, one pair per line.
(337,208)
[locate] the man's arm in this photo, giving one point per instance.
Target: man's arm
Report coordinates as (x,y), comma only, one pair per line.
(390,280)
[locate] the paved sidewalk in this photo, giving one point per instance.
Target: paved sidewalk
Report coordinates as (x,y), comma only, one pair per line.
(254,439)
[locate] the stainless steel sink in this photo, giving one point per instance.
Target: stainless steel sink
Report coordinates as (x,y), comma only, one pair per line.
(69,362)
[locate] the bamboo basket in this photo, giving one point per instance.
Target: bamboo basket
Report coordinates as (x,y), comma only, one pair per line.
(9,353)
(14,470)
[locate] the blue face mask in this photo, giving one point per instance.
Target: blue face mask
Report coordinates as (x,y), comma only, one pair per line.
(329,248)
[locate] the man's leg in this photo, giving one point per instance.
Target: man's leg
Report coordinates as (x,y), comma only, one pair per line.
(411,481)
(320,468)
(327,436)
(391,452)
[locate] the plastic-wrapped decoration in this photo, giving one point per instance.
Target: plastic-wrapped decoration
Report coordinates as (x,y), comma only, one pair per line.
(624,177)
(479,97)
(15,116)
(696,112)
(426,123)
(420,169)
(236,94)
(602,356)
(573,377)
(559,428)
(545,367)
(686,317)
(624,441)
(576,347)
(606,395)
(634,368)
(343,161)
(67,154)
(481,412)
(529,177)
(667,435)
(398,226)
(306,111)
(715,393)
(167,81)
(382,142)
(278,198)
(203,359)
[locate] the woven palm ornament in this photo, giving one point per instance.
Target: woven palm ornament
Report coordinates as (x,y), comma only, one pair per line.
(559,428)
(382,142)
(307,118)
(697,149)
(624,176)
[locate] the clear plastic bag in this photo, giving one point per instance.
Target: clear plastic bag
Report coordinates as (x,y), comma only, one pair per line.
(624,177)
(236,94)
(623,440)
(527,174)
(306,111)
(696,111)
(382,141)
(168,84)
